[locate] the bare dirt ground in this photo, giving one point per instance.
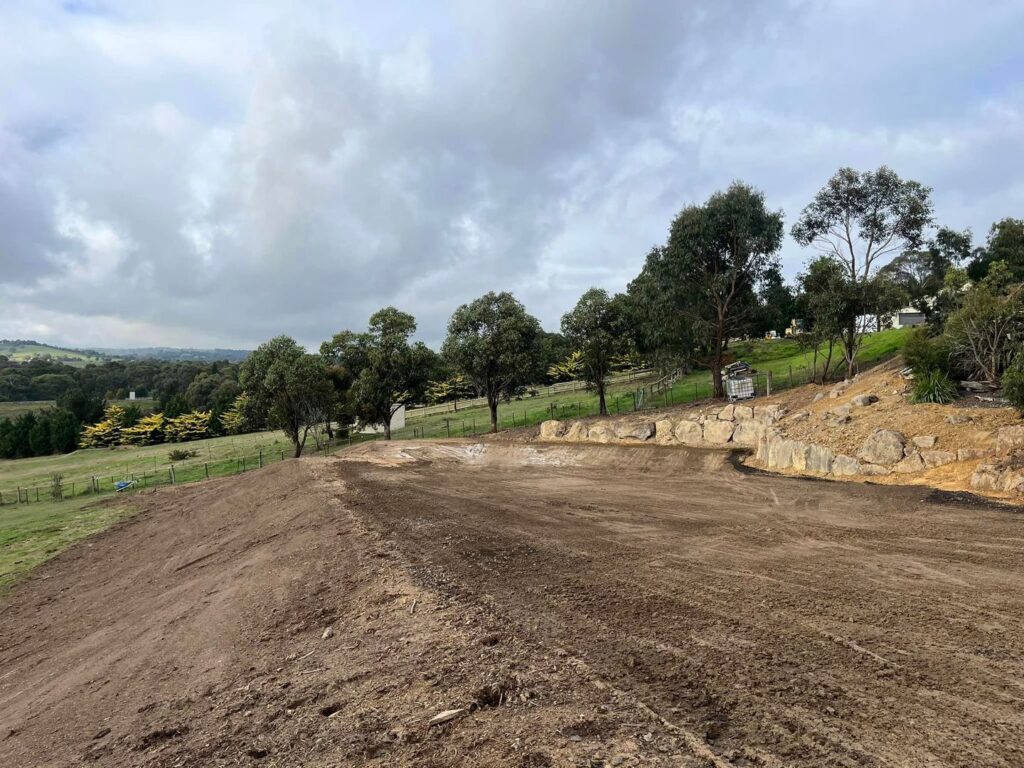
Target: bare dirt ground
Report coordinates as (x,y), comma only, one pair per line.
(585,605)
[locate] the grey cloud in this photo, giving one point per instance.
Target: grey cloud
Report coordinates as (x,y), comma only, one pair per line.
(245,174)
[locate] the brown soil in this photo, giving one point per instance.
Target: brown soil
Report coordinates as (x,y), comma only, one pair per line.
(586,605)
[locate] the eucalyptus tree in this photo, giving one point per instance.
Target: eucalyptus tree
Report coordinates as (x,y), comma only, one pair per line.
(492,341)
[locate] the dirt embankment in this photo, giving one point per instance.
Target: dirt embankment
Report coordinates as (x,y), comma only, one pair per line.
(581,605)
(854,430)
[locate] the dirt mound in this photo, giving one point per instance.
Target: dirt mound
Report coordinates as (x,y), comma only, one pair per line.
(546,605)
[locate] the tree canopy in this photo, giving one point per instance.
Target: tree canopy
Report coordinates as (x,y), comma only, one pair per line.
(492,341)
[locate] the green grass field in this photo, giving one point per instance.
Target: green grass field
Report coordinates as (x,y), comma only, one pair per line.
(30,534)
(15,409)
(22,353)
(783,357)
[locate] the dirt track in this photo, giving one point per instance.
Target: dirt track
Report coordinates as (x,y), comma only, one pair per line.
(591,604)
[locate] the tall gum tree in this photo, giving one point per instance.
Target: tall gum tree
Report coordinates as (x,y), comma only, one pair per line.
(717,253)
(862,220)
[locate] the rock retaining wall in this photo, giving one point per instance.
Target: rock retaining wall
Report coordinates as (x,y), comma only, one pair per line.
(761,428)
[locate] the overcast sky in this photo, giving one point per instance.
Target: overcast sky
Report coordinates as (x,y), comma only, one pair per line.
(215,173)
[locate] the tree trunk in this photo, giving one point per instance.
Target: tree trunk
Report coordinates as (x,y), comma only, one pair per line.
(492,403)
(602,408)
(387,428)
(716,370)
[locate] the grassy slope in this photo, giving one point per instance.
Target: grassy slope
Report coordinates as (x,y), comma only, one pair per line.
(11,410)
(25,352)
(779,357)
(33,533)
(122,462)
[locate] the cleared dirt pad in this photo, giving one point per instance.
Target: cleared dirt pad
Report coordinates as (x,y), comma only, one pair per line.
(584,604)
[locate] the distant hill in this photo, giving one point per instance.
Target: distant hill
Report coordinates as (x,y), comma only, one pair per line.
(175,354)
(24,350)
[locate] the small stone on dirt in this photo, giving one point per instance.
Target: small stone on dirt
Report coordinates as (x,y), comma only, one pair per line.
(328,634)
(861,401)
(924,441)
(447,716)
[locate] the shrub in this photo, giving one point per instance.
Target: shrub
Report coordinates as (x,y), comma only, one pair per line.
(934,387)
(180,454)
(1013,384)
(924,353)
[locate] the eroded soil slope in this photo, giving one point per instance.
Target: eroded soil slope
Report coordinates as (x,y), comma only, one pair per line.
(586,605)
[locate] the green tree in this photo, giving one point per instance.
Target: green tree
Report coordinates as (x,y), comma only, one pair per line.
(862,220)
(288,387)
(827,303)
(64,429)
(594,329)
(388,370)
(718,252)
(984,333)
(39,437)
(921,273)
(492,340)
(1005,243)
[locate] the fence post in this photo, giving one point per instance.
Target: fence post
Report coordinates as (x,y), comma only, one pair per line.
(261,458)
(243,463)
(769,384)
(791,376)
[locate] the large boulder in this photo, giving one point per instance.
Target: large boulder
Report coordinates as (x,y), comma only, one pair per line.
(883,446)
(970,454)
(836,416)
(874,469)
(800,452)
(819,459)
(924,442)
(912,463)
(748,432)
(844,466)
(727,413)
(578,432)
(1008,438)
(552,430)
(934,459)
(718,432)
(600,432)
(625,430)
(663,432)
(689,432)
(779,454)
(743,412)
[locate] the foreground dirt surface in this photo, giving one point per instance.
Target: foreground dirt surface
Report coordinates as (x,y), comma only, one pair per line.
(582,605)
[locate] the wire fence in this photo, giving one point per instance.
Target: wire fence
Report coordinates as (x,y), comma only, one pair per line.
(664,393)
(67,488)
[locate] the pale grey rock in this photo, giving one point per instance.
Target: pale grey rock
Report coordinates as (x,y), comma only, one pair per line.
(718,432)
(874,469)
(924,442)
(883,446)
(934,459)
(726,414)
(577,432)
(970,454)
(600,432)
(743,412)
(748,432)
(689,432)
(625,430)
(913,463)
(861,401)
(819,459)
(845,466)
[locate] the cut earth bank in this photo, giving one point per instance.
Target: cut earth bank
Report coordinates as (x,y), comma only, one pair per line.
(854,430)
